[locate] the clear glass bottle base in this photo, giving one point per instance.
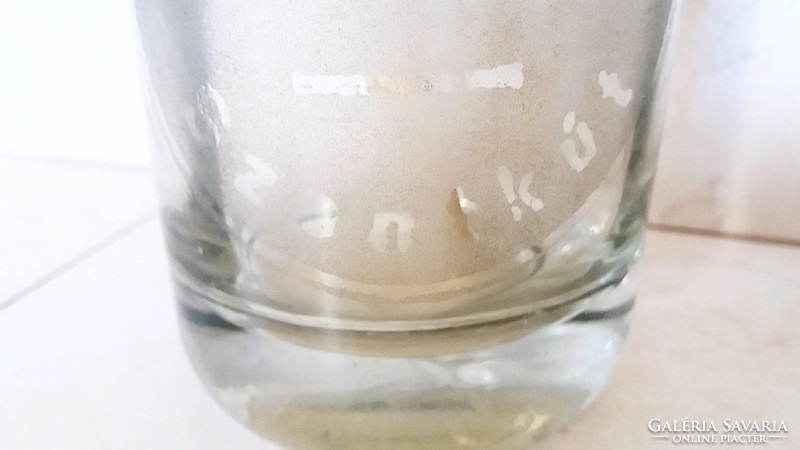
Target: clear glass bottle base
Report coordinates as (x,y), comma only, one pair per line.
(510,385)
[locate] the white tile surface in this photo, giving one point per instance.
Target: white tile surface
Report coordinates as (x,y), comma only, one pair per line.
(93,360)
(730,159)
(51,213)
(68,83)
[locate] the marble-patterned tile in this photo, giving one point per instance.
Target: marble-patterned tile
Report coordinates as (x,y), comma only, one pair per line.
(93,360)
(714,335)
(52,213)
(730,158)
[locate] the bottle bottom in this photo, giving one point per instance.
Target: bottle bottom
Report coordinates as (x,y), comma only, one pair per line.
(484,386)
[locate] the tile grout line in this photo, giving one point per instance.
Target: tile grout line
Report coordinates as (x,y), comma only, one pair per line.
(716,234)
(77,260)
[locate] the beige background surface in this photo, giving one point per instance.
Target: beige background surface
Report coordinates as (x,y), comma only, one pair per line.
(730,159)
